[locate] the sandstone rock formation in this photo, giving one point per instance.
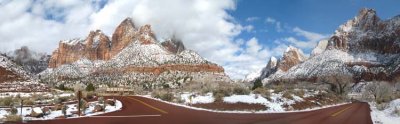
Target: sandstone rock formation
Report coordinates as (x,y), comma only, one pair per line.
(291,57)
(365,48)
(96,46)
(132,56)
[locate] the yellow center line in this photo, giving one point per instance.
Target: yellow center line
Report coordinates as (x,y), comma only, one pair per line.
(150,106)
(337,113)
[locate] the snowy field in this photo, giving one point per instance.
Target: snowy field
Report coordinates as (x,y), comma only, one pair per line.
(58,113)
(274,104)
(387,115)
(42,94)
(261,99)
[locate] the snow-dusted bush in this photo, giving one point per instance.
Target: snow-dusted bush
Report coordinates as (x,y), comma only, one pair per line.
(7,101)
(396,111)
(287,94)
(379,91)
(264,92)
(240,90)
(163,95)
(13,118)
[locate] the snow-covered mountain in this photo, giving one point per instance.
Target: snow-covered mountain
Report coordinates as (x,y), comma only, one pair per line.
(132,56)
(291,57)
(365,48)
(31,61)
(10,71)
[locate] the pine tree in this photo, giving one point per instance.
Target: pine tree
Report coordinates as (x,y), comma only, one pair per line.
(257,84)
(90,87)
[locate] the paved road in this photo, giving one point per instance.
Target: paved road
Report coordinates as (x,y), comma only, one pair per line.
(140,110)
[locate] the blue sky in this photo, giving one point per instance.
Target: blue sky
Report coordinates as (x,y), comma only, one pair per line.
(319,16)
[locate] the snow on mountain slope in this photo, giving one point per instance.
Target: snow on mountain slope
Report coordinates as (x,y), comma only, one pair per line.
(365,47)
(10,71)
(135,57)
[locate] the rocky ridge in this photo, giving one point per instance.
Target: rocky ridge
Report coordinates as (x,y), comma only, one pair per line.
(365,48)
(133,56)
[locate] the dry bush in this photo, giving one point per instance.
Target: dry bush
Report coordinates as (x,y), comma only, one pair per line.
(396,111)
(263,92)
(278,88)
(218,97)
(163,95)
(299,93)
(199,87)
(7,101)
(14,111)
(287,94)
(29,102)
(382,106)
(13,118)
(380,91)
(240,90)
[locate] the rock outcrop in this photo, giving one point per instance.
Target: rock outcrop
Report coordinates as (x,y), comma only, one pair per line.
(174,45)
(291,57)
(132,56)
(10,71)
(96,46)
(365,48)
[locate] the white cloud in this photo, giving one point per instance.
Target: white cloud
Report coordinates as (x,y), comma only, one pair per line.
(253,57)
(270,20)
(277,24)
(204,26)
(311,39)
(251,19)
(249,28)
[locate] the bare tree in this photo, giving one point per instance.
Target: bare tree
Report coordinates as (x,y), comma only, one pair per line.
(339,83)
(397,83)
(379,90)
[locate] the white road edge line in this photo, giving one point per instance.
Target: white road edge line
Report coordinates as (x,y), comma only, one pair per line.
(129,116)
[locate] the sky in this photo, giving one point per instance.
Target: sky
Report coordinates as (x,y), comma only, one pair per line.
(240,35)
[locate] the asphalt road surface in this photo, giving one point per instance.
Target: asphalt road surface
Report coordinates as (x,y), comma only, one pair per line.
(140,110)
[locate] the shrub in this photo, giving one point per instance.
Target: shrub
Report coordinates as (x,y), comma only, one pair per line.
(8,101)
(287,94)
(218,97)
(90,87)
(163,95)
(64,110)
(278,88)
(29,102)
(257,84)
(240,90)
(299,93)
(381,106)
(13,111)
(101,100)
(89,95)
(225,91)
(13,118)
(396,111)
(263,92)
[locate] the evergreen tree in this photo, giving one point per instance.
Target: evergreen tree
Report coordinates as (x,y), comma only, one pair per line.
(90,87)
(257,84)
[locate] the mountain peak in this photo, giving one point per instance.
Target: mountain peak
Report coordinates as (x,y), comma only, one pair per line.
(367,19)
(127,22)
(174,45)
(290,58)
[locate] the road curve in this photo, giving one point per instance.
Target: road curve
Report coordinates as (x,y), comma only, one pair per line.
(141,110)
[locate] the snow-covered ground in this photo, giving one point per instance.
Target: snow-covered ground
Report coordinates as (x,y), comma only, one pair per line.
(276,102)
(387,115)
(260,112)
(58,113)
(42,94)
